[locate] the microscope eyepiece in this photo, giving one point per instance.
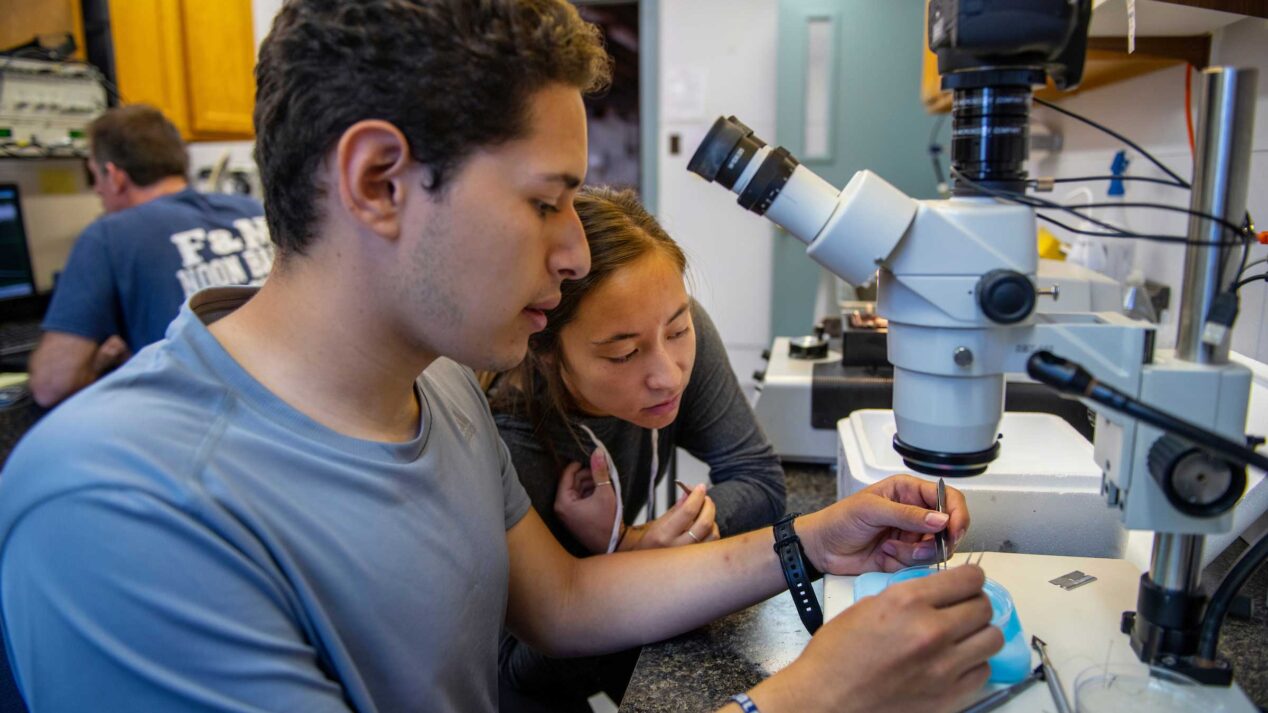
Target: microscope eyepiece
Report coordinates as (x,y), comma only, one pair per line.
(725,151)
(727,156)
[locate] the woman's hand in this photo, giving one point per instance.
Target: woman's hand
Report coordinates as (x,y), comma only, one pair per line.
(886,526)
(689,521)
(585,502)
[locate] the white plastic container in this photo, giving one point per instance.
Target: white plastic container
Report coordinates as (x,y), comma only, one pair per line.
(1041,496)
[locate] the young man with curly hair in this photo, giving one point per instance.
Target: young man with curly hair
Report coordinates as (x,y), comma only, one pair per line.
(272,509)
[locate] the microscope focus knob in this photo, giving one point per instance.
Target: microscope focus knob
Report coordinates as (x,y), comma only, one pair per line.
(1006,296)
(1195,482)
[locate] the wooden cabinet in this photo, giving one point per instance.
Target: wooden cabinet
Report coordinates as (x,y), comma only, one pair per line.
(23,21)
(1169,33)
(192,59)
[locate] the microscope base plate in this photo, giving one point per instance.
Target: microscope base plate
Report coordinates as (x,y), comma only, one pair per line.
(1080,626)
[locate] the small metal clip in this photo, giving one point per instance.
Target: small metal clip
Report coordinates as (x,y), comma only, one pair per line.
(1073,580)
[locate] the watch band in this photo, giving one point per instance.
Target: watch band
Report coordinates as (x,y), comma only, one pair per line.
(745,703)
(798,572)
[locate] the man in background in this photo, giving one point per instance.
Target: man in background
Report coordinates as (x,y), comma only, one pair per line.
(132,269)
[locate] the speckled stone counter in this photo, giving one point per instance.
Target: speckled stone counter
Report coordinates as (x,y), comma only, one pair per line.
(699,670)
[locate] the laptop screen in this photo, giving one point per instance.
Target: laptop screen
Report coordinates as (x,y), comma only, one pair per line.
(17,279)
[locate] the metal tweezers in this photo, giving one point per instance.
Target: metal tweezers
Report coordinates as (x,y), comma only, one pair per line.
(1000,697)
(940,537)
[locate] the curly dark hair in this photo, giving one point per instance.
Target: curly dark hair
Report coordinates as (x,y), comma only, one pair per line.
(140,140)
(452,75)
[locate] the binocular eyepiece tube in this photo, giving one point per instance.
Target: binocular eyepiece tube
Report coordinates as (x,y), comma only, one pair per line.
(947,425)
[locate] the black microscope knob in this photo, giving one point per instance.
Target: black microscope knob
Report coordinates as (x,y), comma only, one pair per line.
(1006,296)
(1195,482)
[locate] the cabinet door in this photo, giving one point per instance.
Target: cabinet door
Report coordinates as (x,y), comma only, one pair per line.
(149,58)
(219,67)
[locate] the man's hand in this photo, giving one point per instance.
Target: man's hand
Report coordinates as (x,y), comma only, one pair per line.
(920,645)
(65,363)
(887,526)
(586,502)
(112,352)
(689,521)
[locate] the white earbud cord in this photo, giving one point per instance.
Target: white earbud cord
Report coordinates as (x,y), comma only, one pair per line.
(615,477)
(651,483)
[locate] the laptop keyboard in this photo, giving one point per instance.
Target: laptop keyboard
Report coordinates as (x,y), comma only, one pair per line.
(18,337)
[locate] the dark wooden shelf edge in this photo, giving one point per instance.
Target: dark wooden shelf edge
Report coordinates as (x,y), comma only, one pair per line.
(1108,62)
(1251,8)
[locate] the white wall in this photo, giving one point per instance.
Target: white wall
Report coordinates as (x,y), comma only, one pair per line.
(718,57)
(262,12)
(1149,110)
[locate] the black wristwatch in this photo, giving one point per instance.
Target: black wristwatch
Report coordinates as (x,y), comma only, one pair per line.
(798,572)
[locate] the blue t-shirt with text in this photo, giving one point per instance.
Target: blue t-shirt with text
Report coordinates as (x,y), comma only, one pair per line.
(130,271)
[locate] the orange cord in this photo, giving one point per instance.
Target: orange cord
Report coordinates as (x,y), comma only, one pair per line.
(1188,107)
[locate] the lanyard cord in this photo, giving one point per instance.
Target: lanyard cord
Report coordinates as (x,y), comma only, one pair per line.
(615,538)
(615,477)
(651,482)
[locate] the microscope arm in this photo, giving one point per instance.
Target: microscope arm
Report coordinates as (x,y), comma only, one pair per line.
(1070,378)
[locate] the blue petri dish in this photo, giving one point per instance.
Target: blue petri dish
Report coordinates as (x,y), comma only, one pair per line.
(1012,663)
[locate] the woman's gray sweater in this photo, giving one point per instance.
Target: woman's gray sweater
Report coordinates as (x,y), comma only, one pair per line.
(715,424)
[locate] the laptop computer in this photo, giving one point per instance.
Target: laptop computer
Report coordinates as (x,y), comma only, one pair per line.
(21,306)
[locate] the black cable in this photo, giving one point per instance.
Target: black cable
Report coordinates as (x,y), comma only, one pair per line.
(1116,135)
(1242,283)
(1088,179)
(1179,182)
(1247,265)
(1069,377)
(1153,238)
(1217,608)
(935,150)
(1116,231)
(1242,264)
(1237,229)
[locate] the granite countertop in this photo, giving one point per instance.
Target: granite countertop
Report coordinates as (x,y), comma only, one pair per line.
(701,669)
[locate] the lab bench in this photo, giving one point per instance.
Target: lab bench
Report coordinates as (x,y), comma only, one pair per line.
(700,670)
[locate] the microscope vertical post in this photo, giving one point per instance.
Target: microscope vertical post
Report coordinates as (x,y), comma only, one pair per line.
(1220,180)
(1220,175)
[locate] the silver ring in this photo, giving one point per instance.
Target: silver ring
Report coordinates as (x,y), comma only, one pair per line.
(692,535)
(603,482)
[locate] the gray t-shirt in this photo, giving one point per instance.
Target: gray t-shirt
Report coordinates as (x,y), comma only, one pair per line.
(178,538)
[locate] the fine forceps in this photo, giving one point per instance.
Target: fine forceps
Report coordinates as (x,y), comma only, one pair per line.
(940,537)
(1002,696)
